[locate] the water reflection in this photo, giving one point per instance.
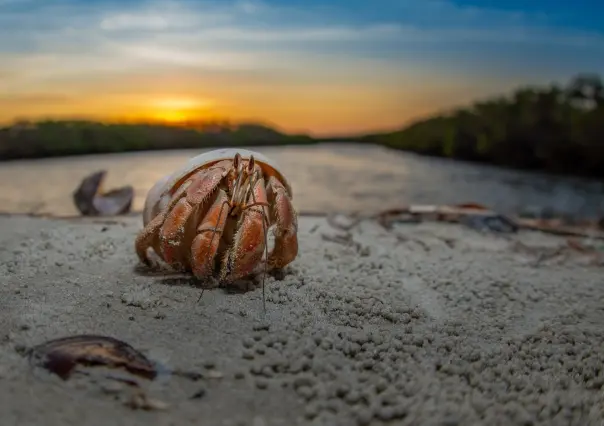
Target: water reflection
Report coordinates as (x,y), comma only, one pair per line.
(324,178)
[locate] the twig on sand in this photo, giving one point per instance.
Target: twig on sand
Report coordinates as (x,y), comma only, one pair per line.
(344,223)
(469,214)
(563,252)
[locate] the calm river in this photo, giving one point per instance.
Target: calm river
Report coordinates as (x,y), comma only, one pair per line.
(324,178)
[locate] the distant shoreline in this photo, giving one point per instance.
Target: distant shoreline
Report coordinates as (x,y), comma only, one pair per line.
(315,143)
(307,142)
(173,148)
(293,141)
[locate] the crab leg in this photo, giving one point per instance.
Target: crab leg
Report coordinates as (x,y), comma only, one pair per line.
(148,238)
(286,225)
(209,233)
(149,235)
(172,235)
(249,241)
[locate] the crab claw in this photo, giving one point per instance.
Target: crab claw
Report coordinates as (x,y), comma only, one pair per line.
(286,229)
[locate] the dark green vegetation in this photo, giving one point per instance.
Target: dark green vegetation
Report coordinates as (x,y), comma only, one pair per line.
(551,128)
(554,129)
(61,138)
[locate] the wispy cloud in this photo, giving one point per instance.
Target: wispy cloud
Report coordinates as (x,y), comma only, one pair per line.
(101,48)
(44,99)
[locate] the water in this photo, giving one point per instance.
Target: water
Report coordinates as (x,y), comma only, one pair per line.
(324,178)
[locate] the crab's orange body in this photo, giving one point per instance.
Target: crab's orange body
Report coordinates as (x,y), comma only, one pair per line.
(211,217)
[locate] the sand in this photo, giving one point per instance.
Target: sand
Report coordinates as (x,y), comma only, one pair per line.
(429,324)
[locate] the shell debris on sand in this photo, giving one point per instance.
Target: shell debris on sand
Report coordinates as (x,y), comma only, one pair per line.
(61,356)
(90,199)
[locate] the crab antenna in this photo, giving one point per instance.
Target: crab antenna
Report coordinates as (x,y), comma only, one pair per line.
(253,178)
(250,189)
(264,220)
(237,165)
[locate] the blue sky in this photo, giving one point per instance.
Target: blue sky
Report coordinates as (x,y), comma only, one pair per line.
(325,66)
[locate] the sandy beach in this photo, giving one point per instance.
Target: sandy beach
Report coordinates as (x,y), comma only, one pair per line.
(430,324)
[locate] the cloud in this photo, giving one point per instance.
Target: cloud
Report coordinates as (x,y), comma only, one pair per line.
(426,21)
(443,12)
(163,17)
(33,99)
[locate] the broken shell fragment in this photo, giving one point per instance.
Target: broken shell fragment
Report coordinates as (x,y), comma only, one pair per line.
(90,200)
(61,356)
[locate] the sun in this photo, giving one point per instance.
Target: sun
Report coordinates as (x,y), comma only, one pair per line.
(173,116)
(178,110)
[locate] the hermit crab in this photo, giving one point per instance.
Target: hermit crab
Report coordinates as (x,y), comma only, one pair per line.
(211,216)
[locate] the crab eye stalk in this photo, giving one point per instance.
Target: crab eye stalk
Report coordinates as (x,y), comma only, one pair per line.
(237,161)
(250,165)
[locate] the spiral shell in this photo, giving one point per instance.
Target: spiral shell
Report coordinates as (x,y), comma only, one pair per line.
(160,193)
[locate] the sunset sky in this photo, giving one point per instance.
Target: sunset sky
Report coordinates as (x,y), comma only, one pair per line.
(322,67)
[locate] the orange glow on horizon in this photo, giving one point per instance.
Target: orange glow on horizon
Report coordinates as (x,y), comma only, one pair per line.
(174,110)
(313,109)
(171,117)
(169,110)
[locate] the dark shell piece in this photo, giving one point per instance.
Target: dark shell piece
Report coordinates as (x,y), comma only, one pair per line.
(61,356)
(91,201)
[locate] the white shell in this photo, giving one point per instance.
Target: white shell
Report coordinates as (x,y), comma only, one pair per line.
(159,194)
